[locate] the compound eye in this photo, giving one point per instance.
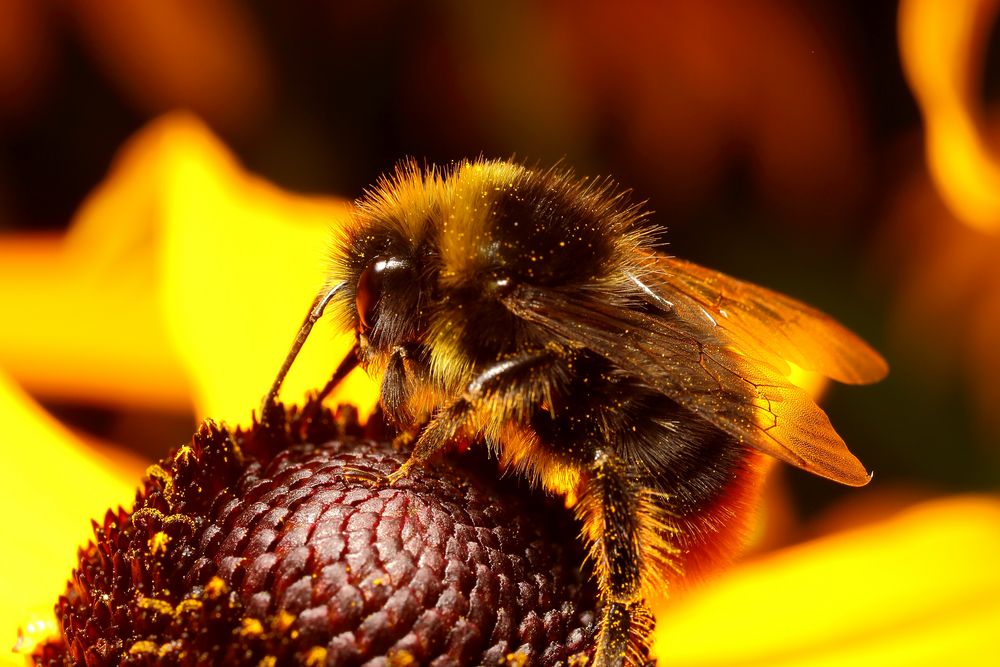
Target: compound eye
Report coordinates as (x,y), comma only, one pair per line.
(369,291)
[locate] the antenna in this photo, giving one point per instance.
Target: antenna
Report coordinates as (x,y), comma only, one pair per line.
(319,304)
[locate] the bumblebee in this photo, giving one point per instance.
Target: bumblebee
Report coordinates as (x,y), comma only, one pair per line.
(534,311)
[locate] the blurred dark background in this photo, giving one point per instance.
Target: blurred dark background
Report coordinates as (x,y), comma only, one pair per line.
(775,139)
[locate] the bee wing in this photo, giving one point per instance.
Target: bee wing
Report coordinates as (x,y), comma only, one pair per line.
(744,397)
(763,324)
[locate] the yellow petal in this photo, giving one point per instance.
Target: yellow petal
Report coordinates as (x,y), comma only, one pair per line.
(83,329)
(52,484)
(922,588)
(183,279)
(241,262)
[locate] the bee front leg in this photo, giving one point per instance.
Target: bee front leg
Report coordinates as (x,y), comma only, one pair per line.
(510,385)
(435,436)
(608,509)
(407,436)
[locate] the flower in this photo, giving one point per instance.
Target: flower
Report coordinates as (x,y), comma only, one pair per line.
(185,277)
(269,545)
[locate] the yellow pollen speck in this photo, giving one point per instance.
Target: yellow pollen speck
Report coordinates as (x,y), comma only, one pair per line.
(144,646)
(251,628)
(400,658)
(169,647)
(187,605)
(517,659)
(158,543)
(215,587)
(268,661)
(377,582)
(179,519)
(158,473)
(183,454)
(283,621)
(315,657)
(159,606)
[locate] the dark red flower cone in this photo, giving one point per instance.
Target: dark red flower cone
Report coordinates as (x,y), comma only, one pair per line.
(276,545)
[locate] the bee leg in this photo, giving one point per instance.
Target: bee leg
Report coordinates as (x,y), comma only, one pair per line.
(363,476)
(611,523)
(437,434)
(347,364)
(509,376)
(315,401)
(407,436)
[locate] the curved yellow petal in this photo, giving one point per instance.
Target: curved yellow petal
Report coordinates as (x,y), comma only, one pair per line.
(241,262)
(183,279)
(52,484)
(921,588)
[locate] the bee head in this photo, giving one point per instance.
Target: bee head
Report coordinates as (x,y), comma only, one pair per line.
(430,257)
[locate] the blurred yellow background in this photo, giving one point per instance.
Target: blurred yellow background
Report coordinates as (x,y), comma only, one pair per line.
(170,173)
